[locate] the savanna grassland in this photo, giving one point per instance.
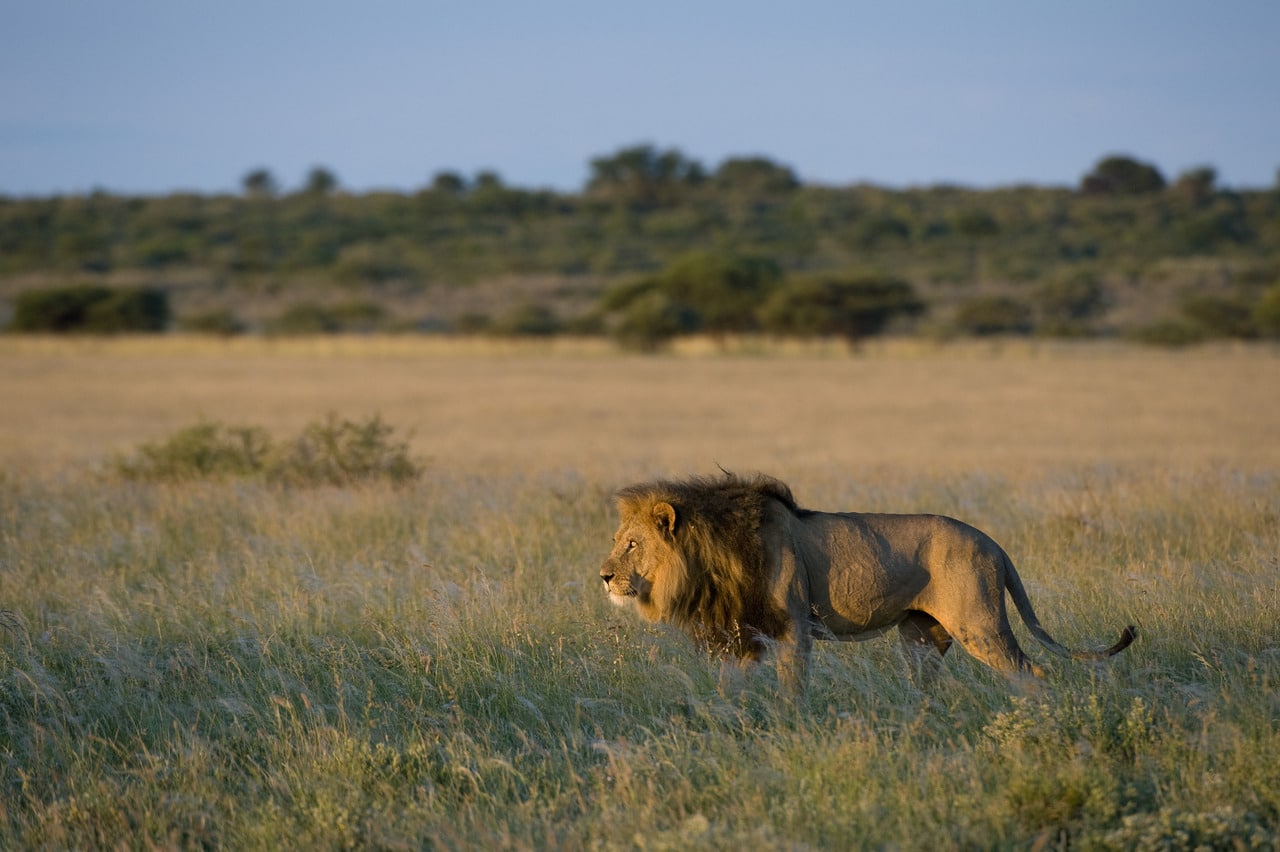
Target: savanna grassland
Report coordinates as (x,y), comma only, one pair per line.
(236,662)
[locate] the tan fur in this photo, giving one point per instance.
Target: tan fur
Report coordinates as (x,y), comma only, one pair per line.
(741,568)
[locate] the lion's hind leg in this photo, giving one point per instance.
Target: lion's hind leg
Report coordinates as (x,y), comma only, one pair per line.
(999,650)
(926,642)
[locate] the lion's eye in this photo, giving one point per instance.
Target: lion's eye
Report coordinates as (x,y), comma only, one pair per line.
(631,545)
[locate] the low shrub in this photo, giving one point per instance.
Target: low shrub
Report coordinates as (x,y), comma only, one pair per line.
(1067,303)
(91,309)
(305,318)
(219,321)
(528,320)
(1220,316)
(332,451)
(343,452)
(206,450)
(985,316)
(1266,313)
(1171,332)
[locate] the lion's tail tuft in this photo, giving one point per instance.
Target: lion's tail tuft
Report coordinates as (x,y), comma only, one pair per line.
(1013,583)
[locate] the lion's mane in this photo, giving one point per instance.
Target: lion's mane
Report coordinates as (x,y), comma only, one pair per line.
(715,584)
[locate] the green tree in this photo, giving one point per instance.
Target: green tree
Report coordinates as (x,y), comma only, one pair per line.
(129,310)
(849,306)
(1196,185)
(755,176)
(92,309)
(58,310)
(448,183)
(1122,175)
(487,180)
(724,291)
(320,181)
(652,320)
(260,183)
(643,176)
(721,293)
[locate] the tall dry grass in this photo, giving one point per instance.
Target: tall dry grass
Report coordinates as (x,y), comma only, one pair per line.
(243,665)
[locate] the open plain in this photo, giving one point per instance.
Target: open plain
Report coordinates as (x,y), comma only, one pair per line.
(230,663)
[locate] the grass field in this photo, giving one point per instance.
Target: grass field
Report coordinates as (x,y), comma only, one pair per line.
(236,664)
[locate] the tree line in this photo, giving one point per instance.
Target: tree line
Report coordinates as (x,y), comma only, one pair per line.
(656,244)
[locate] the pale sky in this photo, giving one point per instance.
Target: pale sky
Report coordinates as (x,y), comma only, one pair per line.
(155,96)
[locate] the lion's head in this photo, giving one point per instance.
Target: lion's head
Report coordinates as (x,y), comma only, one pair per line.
(690,553)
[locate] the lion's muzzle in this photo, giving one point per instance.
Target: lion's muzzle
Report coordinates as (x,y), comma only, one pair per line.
(618,590)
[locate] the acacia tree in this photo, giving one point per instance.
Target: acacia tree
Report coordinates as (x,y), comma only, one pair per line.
(1122,175)
(849,306)
(716,293)
(448,183)
(643,176)
(259,183)
(755,175)
(320,181)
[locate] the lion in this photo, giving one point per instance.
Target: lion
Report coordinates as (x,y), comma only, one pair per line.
(742,569)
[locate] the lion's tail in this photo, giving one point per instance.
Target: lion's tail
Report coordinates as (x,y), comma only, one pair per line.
(1013,583)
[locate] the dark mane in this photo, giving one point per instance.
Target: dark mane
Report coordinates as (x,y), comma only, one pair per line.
(726,488)
(722,600)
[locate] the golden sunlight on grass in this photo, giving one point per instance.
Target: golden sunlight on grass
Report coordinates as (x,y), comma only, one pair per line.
(428,661)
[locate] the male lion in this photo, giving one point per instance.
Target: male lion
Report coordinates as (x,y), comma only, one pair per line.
(740,567)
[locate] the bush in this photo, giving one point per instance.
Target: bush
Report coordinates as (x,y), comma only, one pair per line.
(343,452)
(207,450)
(132,310)
(651,321)
(91,309)
(1220,316)
(722,293)
(218,321)
(472,322)
(1066,305)
(1266,314)
(990,315)
(329,452)
(360,315)
(530,320)
(1072,298)
(1171,332)
(304,318)
(1175,828)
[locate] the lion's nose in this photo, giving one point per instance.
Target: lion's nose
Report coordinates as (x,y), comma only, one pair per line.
(606,576)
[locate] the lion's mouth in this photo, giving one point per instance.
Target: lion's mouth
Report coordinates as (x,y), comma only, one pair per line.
(618,597)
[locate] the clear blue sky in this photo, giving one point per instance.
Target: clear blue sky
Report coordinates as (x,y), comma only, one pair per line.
(152,97)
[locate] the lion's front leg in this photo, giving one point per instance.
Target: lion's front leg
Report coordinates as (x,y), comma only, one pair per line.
(792,653)
(733,675)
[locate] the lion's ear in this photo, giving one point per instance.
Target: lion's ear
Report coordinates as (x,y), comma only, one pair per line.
(664,516)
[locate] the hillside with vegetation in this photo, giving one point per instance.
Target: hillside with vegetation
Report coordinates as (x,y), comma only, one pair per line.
(656,245)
